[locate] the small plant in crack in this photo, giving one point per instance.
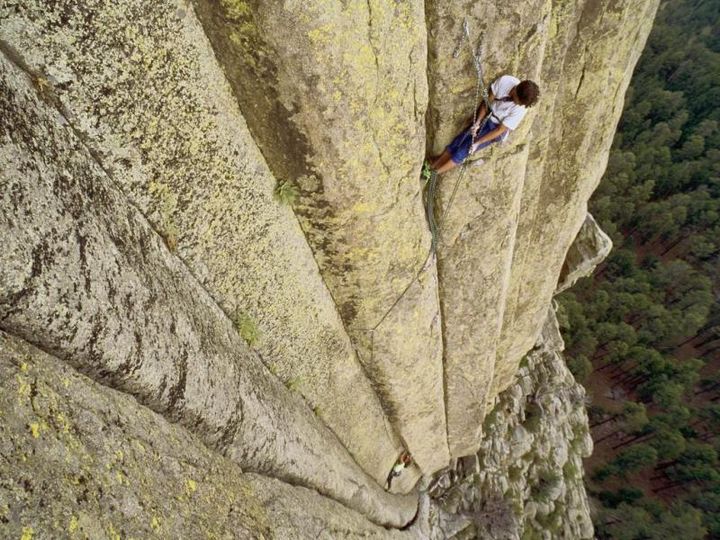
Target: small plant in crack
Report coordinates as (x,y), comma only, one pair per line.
(426,172)
(247,328)
(286,193)
(293,383)
(43,85)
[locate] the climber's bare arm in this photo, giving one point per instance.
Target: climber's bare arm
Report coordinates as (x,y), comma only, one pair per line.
(491,135)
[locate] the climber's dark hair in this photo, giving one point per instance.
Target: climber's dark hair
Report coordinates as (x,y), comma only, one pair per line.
(528,93)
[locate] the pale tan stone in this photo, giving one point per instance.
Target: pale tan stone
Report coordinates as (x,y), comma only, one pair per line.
(84,276)
(590,247)
(335,93)
(387,350)
(515,215)
(534,442)
(146,92)
(83,460)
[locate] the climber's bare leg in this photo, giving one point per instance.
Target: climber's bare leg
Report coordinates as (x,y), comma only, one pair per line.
(447,166)
(440,160)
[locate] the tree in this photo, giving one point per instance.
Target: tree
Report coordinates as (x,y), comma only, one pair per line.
(632,419)
(634,458)
(682,521)
(649,320)
(668,443)
(627,522)
(612,499)
(698,463)
(580,367)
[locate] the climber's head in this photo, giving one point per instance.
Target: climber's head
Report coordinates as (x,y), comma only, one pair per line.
(526,93)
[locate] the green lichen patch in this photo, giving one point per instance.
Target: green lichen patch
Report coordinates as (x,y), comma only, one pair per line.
(294,383)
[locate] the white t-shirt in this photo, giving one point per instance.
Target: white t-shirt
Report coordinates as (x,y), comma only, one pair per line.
(507,112)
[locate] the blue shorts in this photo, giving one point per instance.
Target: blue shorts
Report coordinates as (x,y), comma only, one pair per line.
(459,148)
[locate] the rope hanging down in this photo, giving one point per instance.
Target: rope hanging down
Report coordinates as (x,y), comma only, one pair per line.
(430,188)
(431,179)
(480,93)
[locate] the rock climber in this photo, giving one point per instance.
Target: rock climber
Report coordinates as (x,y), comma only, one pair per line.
(509,100)
(404,461)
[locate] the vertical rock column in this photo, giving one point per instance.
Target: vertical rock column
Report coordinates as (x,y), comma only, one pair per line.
(478,228)
(593,48)
(84,277)
(335,94)
(143,88)
(515,215)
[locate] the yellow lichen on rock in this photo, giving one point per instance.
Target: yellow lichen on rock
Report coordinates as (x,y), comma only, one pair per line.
(350,78)
(300,334)
(164,122)
(35,429)
(76,502)
(514,216)
(73,525)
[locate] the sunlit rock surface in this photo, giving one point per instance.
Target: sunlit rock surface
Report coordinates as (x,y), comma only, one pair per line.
(526,481)
(85,277)
(335,94)
(83,461)
(505,237)
(144,91)
(308,342)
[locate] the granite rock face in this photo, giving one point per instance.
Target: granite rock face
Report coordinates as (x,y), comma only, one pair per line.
(144,91)
(146,248)
(84,461)
(335,94)
(85,277)
(526,481)
(514,217)
(589,249)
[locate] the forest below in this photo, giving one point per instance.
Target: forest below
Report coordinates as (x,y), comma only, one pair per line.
(643,333)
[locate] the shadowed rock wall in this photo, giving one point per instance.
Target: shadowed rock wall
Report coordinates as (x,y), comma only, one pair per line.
(514,216)
(145,92)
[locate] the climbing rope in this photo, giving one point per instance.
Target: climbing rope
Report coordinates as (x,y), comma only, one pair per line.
(480,92)
(431,177)
(430,190)
(431,182)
